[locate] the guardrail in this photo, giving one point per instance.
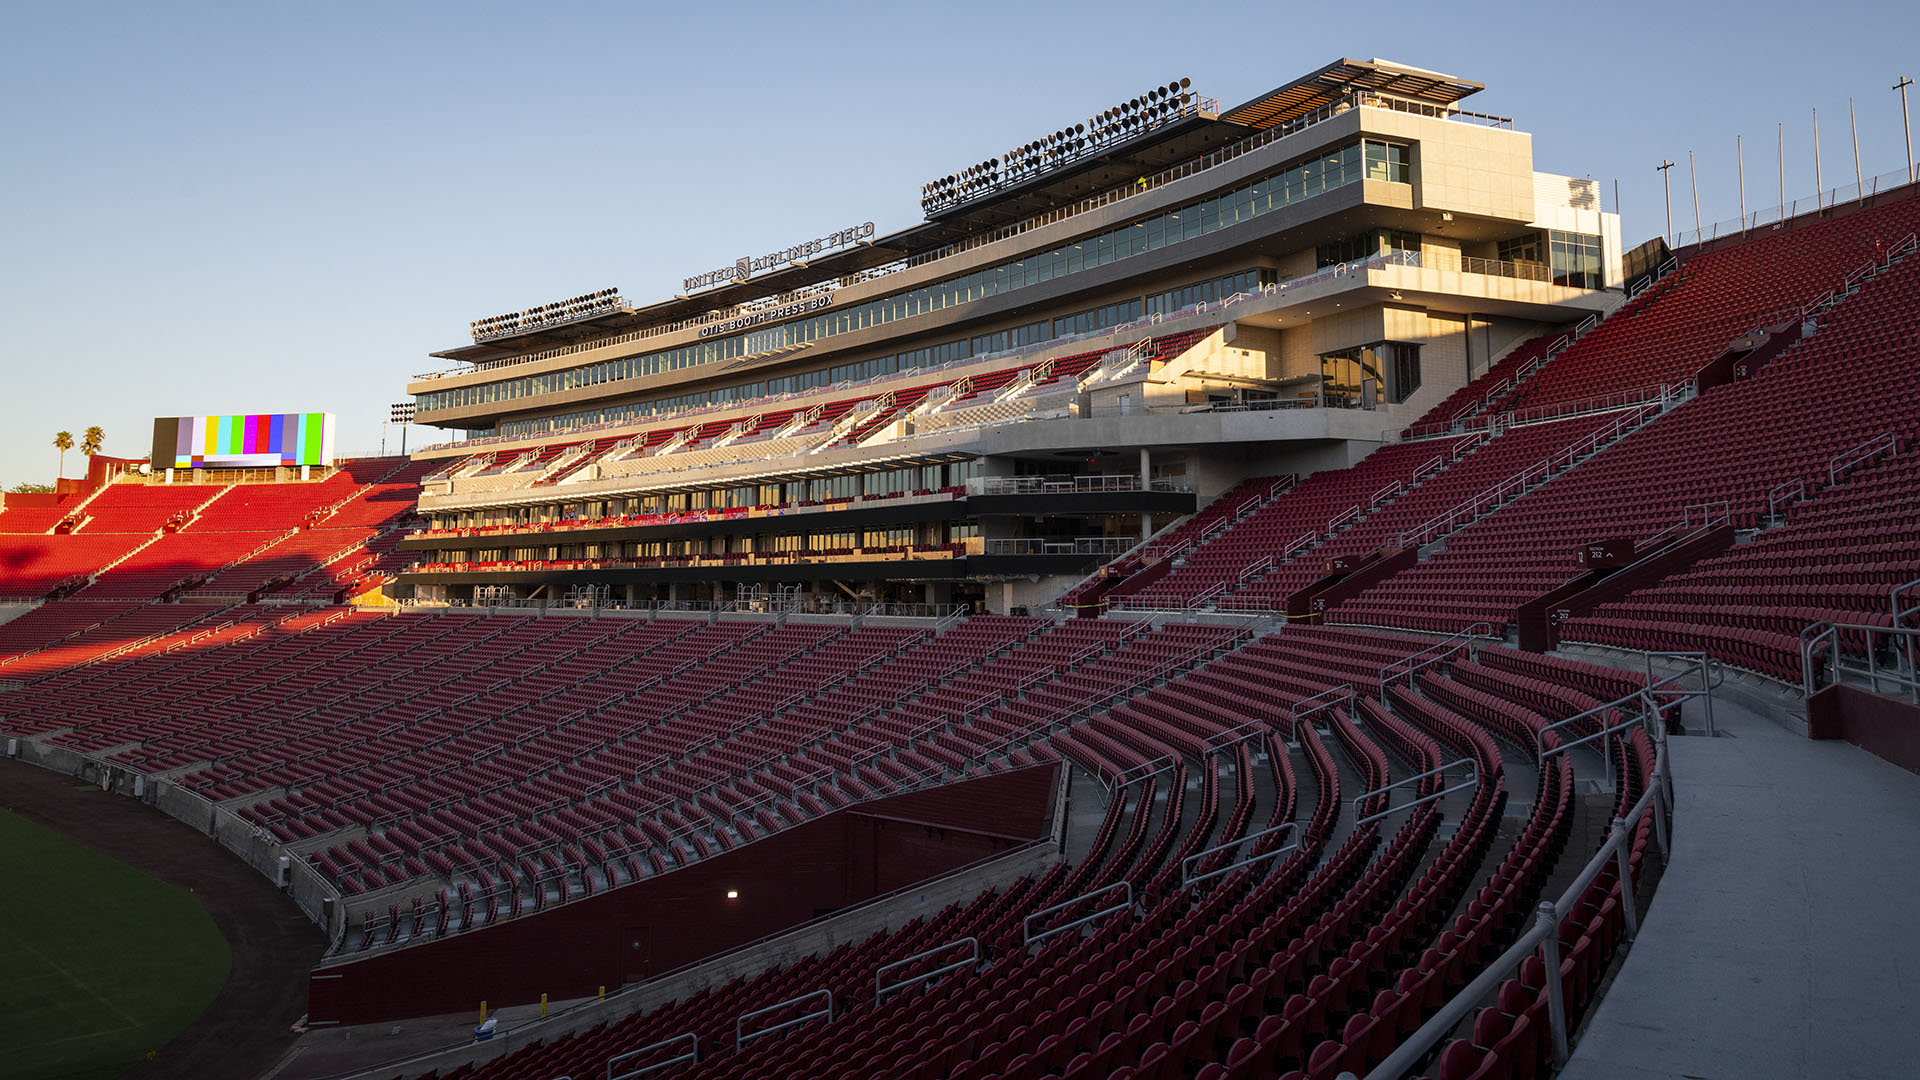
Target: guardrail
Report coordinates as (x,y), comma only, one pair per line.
(1146,770)
(881,988)
(741,1036)
(1078,545)
(1785,494)
(1336,697)
(1188,879)
(1843,463)
(1385,792)
(1029,938)
(692,1054)
(1543,935)
(1832,651)
(1712,675)
(1056,485)
(1525,480)
(1407,666)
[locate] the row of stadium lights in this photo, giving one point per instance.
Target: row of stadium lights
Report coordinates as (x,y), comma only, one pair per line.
(1149,110)
(559,311)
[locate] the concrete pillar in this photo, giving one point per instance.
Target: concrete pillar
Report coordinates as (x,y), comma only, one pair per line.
(1146,484)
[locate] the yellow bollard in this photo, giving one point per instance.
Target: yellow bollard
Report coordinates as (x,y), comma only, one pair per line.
(543,1006)
(603,993)
(483,1012)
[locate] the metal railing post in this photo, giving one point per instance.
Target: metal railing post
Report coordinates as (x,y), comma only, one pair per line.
(1706,687)
(1660,821)
(1556,1007)
(1627,903)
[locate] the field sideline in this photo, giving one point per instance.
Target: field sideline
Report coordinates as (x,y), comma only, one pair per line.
(99,963)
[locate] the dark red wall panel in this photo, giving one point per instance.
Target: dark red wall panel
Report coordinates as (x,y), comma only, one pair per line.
(651,927)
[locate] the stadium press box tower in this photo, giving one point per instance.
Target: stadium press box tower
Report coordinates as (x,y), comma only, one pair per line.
(1086,337)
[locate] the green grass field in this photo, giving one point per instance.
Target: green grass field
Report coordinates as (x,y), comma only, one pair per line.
(99,963)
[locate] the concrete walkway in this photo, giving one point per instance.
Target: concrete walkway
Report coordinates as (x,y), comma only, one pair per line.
(1784,940)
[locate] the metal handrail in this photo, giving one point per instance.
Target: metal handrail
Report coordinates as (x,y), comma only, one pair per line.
(1785,494)
(1408,665)
(1894,609)
(1849,460)
(881,988)
(1134,774)
(1028,937)
(1335,697)
(1543,935)
(1904,640)
(741,1035)
(1234,736)
(1188,879)
(1712,676)
(691,1055)
(1360,801)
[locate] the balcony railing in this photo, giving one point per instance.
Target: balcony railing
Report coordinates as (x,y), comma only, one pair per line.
(1048,545)
(1053,485)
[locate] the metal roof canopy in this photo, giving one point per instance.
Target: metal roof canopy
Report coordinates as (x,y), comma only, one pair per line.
(1330,83)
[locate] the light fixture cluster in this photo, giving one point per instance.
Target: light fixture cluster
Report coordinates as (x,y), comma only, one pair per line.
(1125,120)
(560,311)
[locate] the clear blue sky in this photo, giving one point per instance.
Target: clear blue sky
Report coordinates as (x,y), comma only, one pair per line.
(211,208)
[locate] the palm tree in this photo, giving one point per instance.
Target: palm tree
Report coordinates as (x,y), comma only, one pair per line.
(90,441)
(63,442)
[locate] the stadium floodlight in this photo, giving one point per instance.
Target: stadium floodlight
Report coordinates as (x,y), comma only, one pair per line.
(400,412)
(1134,116)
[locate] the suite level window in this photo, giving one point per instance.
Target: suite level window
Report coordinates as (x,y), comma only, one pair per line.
(1365,246)
(1576,260)
(1363,377)
(1392,162)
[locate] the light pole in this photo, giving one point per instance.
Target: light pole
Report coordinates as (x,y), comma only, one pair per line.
(1819,182)
(1667,188)
(1905,123)
(1694,178)
(1740,156)
(401,412)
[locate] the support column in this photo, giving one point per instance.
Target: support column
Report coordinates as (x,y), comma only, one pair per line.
(1146,484)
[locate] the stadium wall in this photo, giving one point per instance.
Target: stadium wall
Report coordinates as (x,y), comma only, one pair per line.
(1880,725)
(652,927)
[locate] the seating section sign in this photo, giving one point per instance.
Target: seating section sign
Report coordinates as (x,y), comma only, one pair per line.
(253,440)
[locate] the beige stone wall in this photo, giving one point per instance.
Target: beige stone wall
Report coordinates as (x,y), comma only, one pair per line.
(1463,168)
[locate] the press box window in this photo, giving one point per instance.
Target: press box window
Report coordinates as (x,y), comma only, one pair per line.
(1576,260)
(1392,162)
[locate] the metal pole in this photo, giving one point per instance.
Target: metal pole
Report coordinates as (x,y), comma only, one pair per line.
(1693,177)
(1783,172)
(1706,687)
(1625,867)
(1905,124)
(1667,188)
(1819,181)
(1556,1006)
(1859,181)
(1660,824)
(1740,155)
